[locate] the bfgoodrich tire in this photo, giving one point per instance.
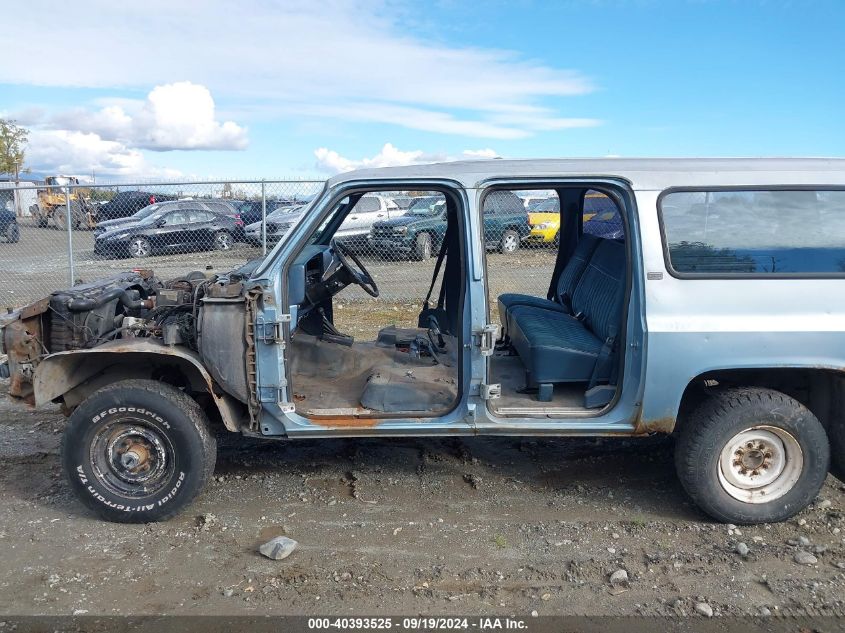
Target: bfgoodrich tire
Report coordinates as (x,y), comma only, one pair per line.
(751,455)
(138,451)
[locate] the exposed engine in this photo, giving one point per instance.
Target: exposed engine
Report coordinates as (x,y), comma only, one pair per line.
(130,304)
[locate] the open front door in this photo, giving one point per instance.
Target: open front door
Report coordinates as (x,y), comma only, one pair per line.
(378,321)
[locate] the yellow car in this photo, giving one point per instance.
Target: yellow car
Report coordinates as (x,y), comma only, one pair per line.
(544,219)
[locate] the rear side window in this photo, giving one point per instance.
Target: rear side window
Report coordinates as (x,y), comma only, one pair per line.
(601,217)
(754,232)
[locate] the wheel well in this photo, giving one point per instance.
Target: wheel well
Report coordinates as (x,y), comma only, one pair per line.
(72,378)
(822,391)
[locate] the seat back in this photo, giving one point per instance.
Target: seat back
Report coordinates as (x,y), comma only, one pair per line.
(598,296)
(574,269)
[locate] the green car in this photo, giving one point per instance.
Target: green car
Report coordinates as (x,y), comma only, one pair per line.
(418,234)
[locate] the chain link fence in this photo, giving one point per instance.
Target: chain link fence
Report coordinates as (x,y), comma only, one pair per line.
(62,233)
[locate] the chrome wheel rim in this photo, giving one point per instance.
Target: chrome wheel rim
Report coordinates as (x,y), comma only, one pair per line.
(760,464)
(139,247)
(509,243)
(131,459)
(223,242)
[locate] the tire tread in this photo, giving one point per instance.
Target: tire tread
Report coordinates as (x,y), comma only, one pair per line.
(198,420)
(706,421)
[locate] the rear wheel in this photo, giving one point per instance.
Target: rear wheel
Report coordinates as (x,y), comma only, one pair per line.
(751,455)
(77,215)
(138,451)
(422,247)
(13,233)
(223,241)
(509,242)
(140,247)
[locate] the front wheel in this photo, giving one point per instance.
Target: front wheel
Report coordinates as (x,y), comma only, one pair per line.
(138,451)
(752,455)
(509,242)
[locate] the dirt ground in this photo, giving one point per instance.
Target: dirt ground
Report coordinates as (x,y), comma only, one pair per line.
(431,526)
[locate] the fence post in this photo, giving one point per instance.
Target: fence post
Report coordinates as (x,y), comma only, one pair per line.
(69,217)
(263,219)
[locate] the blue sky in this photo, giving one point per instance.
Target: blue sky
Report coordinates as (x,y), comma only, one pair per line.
(290,89)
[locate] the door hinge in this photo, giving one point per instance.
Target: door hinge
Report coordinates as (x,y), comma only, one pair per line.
(490,392)
(270,332)
(275,395)
(488,336)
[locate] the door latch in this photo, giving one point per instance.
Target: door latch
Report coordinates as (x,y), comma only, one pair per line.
(490,392)
(488,336)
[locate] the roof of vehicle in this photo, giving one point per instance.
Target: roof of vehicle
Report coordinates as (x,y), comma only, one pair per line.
(642,173)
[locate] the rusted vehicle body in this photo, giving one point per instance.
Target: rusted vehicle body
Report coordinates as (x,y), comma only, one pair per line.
(713,312)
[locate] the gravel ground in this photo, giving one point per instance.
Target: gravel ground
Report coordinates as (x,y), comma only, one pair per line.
(433,526)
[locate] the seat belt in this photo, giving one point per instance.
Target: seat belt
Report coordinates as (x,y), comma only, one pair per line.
(437,315)
(440,257)
(603,359)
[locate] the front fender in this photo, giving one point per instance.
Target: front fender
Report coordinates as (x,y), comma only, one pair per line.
(63,372)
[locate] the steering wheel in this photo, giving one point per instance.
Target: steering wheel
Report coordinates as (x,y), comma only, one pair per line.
(359,274)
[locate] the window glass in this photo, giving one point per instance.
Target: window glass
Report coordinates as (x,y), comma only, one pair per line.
(755,232)
(601,217)
(196,216)
(503,202)
(367,204)
(176,218)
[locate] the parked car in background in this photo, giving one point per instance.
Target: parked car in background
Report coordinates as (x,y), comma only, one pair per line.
(404,201)
(215,206)
(9,228)
(169,230)
(418,234)
(545,218)
(109,225)
(127,203)
(279,222)
(370,209)
(532,203)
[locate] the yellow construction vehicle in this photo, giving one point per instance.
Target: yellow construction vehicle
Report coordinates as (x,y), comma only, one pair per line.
(52,203)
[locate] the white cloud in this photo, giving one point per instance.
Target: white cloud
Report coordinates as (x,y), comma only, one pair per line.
(332,162)
(84,153)
(341,59)
(109,140)
(173,116)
